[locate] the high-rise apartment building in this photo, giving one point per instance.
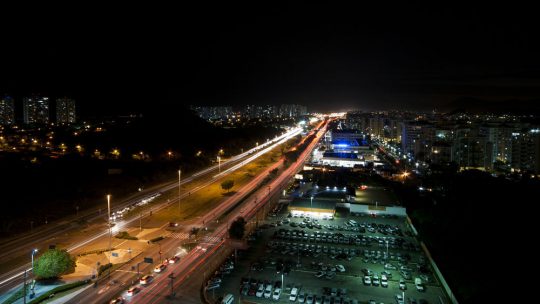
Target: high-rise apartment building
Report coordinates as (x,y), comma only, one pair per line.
(526,151)
(36,110)
(65,111)
(7,110)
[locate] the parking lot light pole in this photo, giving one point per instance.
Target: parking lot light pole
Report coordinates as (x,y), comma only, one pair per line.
(282,286)
(311,209)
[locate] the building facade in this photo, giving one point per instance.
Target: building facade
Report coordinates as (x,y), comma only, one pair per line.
(7,110)
(36,110)
(65,111)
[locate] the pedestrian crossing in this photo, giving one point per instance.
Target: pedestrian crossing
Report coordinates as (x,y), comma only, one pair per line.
(185,236)
(179,235)
(211,239)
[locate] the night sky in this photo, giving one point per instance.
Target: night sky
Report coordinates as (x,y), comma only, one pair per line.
(327,57)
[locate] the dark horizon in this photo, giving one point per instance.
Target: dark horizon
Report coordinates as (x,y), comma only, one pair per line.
(327,58)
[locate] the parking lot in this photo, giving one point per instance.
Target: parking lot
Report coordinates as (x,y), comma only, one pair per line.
(348,259)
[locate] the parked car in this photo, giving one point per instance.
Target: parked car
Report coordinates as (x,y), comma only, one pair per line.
(340,268)
(294,294)
(260,291)
(276,294)
(402,284)
(418,284)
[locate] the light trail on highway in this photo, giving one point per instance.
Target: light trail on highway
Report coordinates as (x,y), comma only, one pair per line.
(157,292)
(259,151)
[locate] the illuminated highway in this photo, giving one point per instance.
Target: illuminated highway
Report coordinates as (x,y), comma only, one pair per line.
(158,291)
(20,246)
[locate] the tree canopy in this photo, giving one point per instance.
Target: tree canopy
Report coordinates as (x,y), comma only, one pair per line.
(53,263)
(237,229)
(227,185)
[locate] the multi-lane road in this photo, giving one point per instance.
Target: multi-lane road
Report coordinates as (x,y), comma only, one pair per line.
(190,271)
(22,246)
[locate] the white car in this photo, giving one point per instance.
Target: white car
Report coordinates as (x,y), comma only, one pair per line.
(340,268)
(402,284)
(384,281)
(367,280)
(260,291)
(294,294)
(160,268)
(276,294)
(268,291)
(375,280)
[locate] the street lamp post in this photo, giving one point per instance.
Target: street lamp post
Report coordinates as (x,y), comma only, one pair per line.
(109,223)
(33,252)
(179,188)
(311,209)
(219,163)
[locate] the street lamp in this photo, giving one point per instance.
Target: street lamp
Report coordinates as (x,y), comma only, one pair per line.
(179,188)
(33,252)
(219,163)
(311,209)
(109,223)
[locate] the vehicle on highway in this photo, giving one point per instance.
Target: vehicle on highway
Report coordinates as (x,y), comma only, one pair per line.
(119,300)
(174,259)
(133,291)
(160,268)
(147,279)
(173,224)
